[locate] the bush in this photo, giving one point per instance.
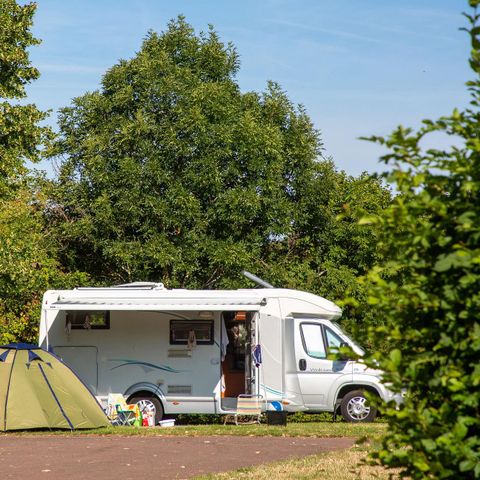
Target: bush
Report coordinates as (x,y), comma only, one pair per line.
(428,294)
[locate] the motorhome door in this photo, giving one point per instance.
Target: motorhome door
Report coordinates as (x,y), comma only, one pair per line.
(83,360)
(316,374)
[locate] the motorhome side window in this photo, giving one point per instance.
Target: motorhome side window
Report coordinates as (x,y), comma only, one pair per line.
(181,332)
(333,340)
(313,340)
(88,320)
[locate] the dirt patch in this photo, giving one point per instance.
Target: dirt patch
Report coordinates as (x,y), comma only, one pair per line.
(113,457)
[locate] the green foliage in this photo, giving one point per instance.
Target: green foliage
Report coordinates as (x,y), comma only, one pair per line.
(428,294)
(172,174)
(27,256)
(20,135)
(27,267)
(208,419)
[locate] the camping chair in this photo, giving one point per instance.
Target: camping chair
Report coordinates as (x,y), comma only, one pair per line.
(248,411)
(119,412)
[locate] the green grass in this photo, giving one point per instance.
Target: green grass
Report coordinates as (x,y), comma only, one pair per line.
(346,464)
(310,429)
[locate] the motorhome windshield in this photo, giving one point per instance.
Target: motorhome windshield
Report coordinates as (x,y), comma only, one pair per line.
(349,337)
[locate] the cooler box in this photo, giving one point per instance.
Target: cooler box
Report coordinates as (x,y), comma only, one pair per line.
(277,418)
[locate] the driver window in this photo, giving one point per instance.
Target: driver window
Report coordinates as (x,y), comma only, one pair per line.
(333,340)
(313,340)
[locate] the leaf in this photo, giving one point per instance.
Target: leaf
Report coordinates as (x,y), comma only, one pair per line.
(467,465)
(368,220)
(429,444)
(396,357)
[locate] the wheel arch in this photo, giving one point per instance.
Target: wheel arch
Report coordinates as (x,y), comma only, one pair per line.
(344,389)
(146,388)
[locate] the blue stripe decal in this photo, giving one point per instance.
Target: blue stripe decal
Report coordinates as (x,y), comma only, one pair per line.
(271,390)
(55,397)
(165,368)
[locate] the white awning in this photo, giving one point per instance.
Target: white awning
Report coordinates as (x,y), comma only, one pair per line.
(252,304)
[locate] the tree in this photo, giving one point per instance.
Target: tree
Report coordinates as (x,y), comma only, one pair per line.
(171,173)
(27,254)
(427,292)
(21,137)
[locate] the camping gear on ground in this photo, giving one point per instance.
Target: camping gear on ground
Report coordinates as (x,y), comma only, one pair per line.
(37,390)
(248,410)
(148,419)
(119,412)
(276,415)
(169,422)
(277,418)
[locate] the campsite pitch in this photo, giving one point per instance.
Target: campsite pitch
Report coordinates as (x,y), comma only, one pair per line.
(53,457)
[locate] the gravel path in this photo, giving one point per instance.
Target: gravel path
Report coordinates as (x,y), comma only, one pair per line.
(131,457)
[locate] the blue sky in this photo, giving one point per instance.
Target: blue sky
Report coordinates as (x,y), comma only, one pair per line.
(360,67)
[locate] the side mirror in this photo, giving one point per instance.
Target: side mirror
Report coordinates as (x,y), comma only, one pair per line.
(343,356)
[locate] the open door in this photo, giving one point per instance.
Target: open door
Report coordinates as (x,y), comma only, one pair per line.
(316,373)
(237,371)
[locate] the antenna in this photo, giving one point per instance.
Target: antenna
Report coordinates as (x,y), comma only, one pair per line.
(257,280)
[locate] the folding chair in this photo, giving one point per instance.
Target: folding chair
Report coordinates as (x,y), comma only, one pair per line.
(119,412)
(249,408)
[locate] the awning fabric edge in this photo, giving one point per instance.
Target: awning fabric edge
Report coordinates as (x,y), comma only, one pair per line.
(250,304)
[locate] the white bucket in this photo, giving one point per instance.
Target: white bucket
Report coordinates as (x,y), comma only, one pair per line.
(167,423)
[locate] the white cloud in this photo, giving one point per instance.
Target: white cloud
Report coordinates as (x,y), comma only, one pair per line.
(329,31)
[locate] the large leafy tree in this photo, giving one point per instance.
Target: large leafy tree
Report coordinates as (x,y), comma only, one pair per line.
(428,294)
(27,254)
(171,173)
(21,136)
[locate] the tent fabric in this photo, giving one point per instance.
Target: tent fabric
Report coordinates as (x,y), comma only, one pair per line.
(37,390)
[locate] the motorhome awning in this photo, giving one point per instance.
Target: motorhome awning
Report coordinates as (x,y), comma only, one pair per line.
(160,304)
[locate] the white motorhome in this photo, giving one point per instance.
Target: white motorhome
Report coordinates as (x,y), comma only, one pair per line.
(195,351)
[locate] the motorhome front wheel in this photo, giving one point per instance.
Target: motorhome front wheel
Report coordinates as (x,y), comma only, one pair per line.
(356,408)
(148,404)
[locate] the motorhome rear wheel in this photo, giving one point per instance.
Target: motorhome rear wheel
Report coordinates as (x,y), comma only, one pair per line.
(148,404)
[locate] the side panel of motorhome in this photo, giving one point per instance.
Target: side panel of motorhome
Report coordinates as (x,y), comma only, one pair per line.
(140,347)
(198,350)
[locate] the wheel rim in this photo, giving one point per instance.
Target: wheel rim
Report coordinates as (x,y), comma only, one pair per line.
(147,406)
(357,408)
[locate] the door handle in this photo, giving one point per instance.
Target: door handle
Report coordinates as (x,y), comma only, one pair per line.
(302,364)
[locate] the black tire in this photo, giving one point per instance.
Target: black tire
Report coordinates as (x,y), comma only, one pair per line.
(355,407)
(146,400)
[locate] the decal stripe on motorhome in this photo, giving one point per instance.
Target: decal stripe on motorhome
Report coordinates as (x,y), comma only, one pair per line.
(271,390)
(165,368)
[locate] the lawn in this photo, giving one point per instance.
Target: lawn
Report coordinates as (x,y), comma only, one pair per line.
(339,465)
(310,429)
